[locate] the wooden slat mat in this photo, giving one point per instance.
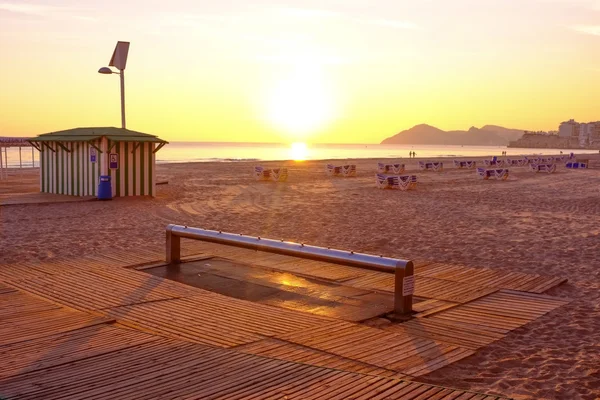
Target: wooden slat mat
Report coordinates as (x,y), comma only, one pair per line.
(410,355)
(18,328)
(6,289)
(482,321)
(88,290)
(167,369)
(429,288)
(62,348)
(17,304)
(491,277)
(214,319)
(454,283)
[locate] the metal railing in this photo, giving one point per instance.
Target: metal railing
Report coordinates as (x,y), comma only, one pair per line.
(403,270)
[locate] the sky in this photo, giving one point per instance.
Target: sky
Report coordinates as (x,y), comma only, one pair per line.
(317,71)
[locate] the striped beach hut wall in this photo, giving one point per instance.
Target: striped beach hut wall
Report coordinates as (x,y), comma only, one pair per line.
(72,161)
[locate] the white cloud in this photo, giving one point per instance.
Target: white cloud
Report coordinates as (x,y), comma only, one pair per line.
(588,29)
(397,24)
(308,12)
(39,10)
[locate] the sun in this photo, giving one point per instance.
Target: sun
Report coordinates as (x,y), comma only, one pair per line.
(298,151)
(300,103)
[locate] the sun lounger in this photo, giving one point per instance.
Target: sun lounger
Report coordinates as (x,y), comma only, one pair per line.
(400,182)
(579,164)
(516,162)
(393,168)
(465,164)
(549,168)
(431,165)
(499,173)
(270,174)
(342,170)
(494,162)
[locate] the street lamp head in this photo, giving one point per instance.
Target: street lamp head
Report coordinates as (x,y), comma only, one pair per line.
(105,70)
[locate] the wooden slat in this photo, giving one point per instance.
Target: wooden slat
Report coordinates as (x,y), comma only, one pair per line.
(281,350)
(404,353)
(60,348)
(214,319)
(169,369)
(18,328)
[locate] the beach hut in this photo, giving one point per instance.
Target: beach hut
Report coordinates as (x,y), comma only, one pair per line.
(72,161)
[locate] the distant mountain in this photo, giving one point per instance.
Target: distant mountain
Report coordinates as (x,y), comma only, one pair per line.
(488,135)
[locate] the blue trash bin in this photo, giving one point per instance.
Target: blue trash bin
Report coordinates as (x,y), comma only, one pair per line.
(104,188)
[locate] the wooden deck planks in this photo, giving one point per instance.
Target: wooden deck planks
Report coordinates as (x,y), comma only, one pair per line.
(491,277)
(18,328)
(60,348)
(407,354)
(214,319)
(281,350)
(167,369)
(307,356)
(482,321)
(88,290)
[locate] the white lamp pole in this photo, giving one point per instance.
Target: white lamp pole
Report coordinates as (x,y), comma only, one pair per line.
(119,60)
(123,99)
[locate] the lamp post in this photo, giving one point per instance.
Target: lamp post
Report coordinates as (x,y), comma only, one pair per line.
(106,70)
(119,60)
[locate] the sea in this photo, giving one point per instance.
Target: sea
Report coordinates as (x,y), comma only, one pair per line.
(178,152)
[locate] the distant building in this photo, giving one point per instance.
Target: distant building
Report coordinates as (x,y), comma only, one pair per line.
(569,128)
(585,133)
(594,135)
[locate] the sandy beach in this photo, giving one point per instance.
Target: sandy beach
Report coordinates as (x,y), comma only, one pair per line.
(534,223)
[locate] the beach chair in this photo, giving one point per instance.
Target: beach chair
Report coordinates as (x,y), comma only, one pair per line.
(382,181)
(393,168)
(498,174)
(342,170)
(270,174)
(431,165)
(348,170)
(279,174)
(494,162)
(549,168)
(579,164)
(465,164)
(400,182)
(518,162)
(403,182)
(398,168)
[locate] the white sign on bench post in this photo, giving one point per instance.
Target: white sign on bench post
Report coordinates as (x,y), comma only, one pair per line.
(408,285)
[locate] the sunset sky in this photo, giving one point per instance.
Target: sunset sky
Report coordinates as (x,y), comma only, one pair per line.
(327,71)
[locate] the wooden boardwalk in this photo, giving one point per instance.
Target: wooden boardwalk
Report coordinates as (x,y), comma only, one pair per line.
(78,355)
(128,334)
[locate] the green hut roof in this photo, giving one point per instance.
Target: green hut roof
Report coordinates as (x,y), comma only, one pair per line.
(87,134)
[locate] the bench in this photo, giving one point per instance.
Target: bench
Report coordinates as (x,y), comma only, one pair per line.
(401,182)
(499,173)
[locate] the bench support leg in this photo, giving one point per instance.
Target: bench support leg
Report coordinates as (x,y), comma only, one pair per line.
(173,249)
(403,291)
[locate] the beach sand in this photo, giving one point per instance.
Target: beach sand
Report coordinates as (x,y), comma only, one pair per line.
(534,223)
